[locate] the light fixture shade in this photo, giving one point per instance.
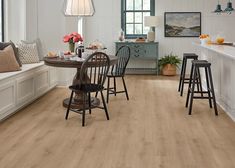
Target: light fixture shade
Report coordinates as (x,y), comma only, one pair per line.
(218,9)
(229,8)
(151,21)
(78,8)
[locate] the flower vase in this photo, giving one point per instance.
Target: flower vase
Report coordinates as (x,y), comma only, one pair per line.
(71,47)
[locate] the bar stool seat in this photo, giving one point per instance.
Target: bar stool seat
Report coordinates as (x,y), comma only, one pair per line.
(196,66)
(183,79)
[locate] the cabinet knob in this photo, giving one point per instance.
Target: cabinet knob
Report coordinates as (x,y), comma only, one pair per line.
(136,46)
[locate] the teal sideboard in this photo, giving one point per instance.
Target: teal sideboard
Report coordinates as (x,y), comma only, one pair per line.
(142,51)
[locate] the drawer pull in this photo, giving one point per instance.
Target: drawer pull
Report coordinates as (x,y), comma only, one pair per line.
(136,46)
(136,55)
(137,51)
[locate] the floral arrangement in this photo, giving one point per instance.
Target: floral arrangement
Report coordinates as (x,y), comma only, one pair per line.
(72,39)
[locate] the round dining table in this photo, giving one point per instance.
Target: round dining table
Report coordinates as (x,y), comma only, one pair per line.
(75,62)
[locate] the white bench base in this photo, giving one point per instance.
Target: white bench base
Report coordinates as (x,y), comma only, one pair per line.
(18,89)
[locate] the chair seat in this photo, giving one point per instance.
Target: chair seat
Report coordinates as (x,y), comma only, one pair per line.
(86,88)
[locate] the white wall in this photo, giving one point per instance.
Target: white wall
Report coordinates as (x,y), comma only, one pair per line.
(15,23)
(29,19)
(106,23)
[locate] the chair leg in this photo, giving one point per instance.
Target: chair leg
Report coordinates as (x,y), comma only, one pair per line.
(208,87)
(124,84)
(200,82)
(89,101)
(183,78)
(114,83)
(84,110)
(104,104)
(108,90)
(68,108)
(192,91)
(213,92)
(189,86)
(181,73)
(96,94)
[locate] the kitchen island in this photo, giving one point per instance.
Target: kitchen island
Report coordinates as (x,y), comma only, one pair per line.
(222,58)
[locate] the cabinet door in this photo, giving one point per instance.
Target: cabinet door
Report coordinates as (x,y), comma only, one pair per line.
(42,81)
(151,51)
(53,76)
(25,89)
(7,94)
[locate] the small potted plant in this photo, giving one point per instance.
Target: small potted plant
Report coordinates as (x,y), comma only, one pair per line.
(168,64)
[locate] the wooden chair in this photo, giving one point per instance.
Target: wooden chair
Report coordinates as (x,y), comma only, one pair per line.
(118,71)
(92,77)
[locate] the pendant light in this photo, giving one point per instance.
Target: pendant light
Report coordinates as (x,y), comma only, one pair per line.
(78,8)
(229,8)
(218,8)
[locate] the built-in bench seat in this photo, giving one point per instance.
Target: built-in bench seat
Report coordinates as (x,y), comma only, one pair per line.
(18,89)
(25,68)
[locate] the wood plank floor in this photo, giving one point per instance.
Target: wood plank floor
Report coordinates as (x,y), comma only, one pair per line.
(152,130)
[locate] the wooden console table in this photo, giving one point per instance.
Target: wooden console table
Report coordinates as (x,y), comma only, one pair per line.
(142,51)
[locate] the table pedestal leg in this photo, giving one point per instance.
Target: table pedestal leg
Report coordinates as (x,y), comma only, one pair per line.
(77,102)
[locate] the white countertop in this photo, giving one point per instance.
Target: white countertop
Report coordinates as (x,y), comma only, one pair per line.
(225,50)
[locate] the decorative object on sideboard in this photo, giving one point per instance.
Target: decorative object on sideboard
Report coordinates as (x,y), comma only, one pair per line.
(140,39)
(72,39)
(227,10)
(122,36)
(182,24)
(151,21)
(168,64)
(78,8)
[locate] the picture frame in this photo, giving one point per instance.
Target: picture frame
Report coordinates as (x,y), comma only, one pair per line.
(182,24)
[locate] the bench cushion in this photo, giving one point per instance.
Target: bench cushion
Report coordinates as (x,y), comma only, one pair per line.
(24,68)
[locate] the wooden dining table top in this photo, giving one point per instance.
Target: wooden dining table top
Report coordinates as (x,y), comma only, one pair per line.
(74,63)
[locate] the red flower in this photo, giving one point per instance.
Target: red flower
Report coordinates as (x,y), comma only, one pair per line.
(73,37)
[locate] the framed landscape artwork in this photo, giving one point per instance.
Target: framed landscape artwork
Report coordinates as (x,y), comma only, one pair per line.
(182,24)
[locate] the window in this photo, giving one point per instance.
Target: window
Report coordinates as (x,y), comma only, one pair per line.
(133,13)
(1,21)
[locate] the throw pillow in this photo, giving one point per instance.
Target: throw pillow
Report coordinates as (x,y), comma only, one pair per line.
(38,42)
(4,45)
(28,53)
(8,61)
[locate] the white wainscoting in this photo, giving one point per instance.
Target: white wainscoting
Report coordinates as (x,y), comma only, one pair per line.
(223,71)
(18,89)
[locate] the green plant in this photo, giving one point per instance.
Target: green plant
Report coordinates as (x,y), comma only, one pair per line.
(169,59)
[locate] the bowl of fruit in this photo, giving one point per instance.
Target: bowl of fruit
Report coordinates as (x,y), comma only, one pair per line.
(219,40)
(205,39)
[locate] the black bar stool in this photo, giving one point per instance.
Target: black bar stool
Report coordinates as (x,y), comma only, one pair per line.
(196,65)
(183,80)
